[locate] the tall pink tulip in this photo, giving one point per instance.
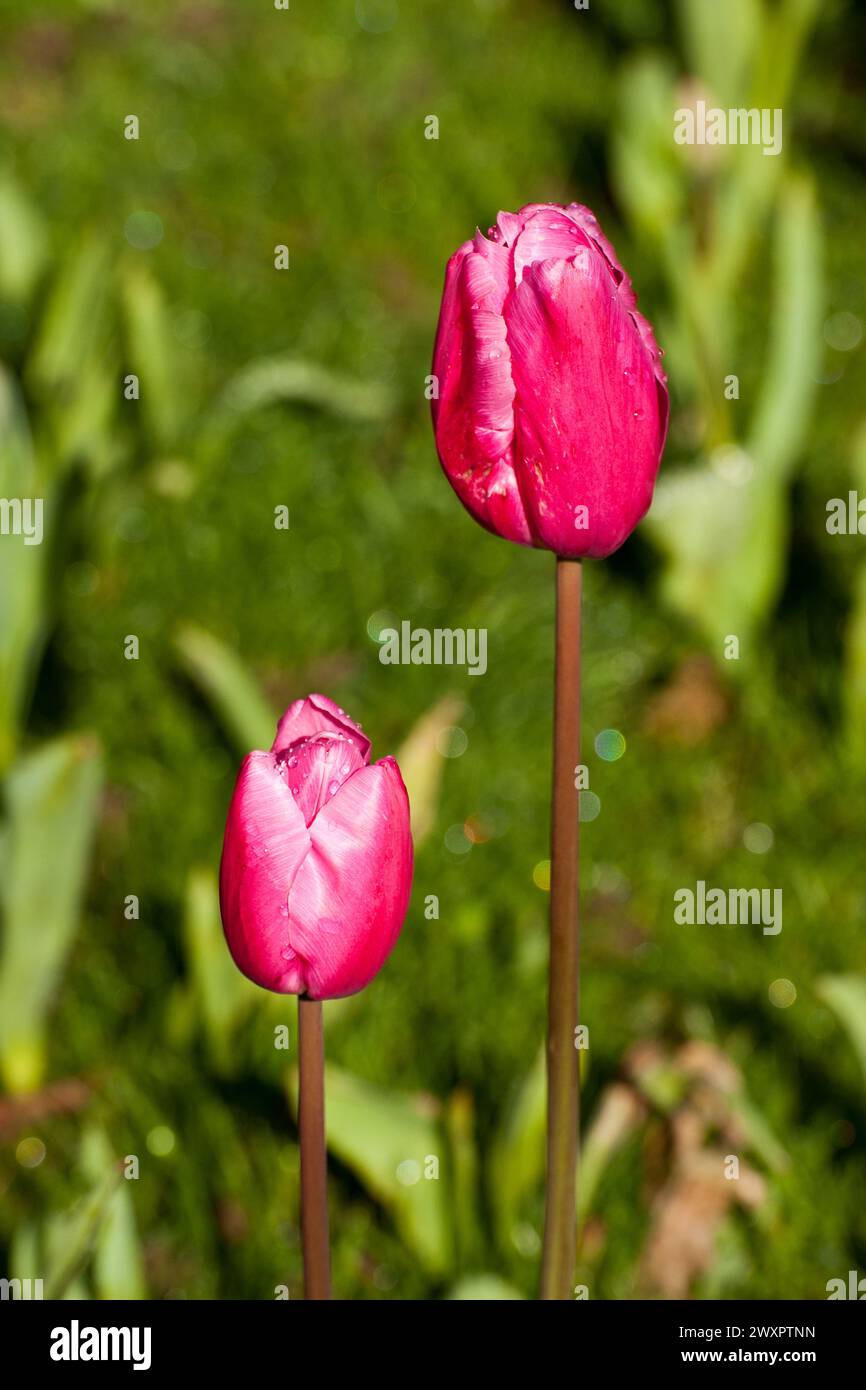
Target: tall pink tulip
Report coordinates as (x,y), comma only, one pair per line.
(552,408)
(550,421)
(317,857)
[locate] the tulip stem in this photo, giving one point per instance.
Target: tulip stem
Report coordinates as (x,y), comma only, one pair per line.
(314,1162)
(563,1073)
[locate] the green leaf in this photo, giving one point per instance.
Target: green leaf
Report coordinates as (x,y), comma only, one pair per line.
(272,380)
(69,371)
(724,527)
(22,618)
(517,1160)
(854,687)
(758,1135)
(750,188)
(484,1288)
(23,242)
(71,1238)
(25,1259)
(118,1266)
(226,683)
(52,801)
(846,996)
(73,322)
(854,675)
(224,996)
(720,44)
(421,763)
(463,1163)
(646,167)
(84,429)
(724,542)
(385,1137)
(785,403)
(153,356)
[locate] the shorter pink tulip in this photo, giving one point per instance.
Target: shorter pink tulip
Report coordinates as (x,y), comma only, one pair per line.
(317,857)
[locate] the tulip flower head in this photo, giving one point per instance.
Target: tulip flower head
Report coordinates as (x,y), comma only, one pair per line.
(552,406)
(317,857)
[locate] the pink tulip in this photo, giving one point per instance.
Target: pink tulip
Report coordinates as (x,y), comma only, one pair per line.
(552,409)
(317,858)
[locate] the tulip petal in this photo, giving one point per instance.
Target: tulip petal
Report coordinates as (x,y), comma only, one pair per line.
(546,235)
(318,715)
(266,842)
(586,220)
(316,768)
(507,229)
(590,411)
(349,897)
(488,359)
(448,326)
(474,417)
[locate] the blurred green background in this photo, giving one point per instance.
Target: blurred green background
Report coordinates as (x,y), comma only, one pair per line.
(148,1142)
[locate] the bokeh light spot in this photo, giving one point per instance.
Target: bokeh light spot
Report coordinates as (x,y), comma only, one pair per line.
(456,840)
(143,230)
(590,805)
(758,838)
(408,1172)
(541,875)
(30,1152)
(843,331)
(378,622)
(452,742)
(782,994)
(160,1141)
(376,16)
(610,745)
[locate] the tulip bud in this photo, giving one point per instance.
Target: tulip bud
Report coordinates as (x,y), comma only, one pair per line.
(317,857)
(552,407)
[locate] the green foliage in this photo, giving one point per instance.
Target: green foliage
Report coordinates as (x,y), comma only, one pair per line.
(846,996)
(304,389)
(52,796)
(382,1136)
